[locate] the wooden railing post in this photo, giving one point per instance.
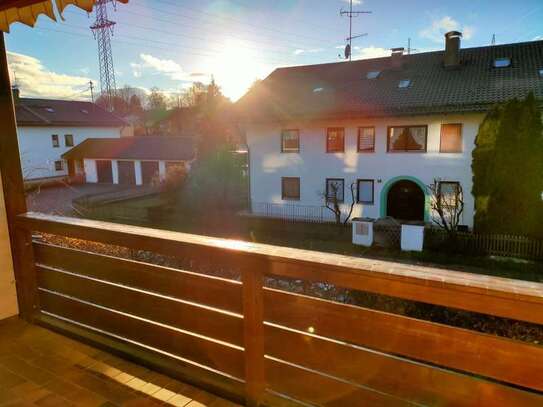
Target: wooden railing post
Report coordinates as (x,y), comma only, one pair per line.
(253,304)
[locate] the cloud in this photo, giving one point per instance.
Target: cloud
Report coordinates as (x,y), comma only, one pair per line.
(370,52)
(307,51)
(167,67)
(442,25)
(36,80)
(355,2)
(537,38)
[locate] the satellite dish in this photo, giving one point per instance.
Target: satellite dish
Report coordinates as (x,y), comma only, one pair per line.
(347,51)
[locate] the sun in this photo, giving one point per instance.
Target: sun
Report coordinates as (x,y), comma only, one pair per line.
(237,66)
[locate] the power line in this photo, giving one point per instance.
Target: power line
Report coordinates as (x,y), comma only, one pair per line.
(245,23)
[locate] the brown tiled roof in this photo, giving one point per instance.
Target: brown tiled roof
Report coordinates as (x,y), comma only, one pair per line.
(342,90)
(52,112)
(134,148)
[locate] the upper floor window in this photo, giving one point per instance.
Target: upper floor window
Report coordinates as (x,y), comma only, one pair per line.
(54,139)
(365,191)
(335,189)
(69,140)
(59,166)
(366,139)
(290,141)
(541,72)
(290,188)
(335,140)
(407,138)
(451,138)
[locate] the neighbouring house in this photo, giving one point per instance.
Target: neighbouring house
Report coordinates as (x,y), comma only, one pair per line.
(130,160)
(47,128)
(390,126)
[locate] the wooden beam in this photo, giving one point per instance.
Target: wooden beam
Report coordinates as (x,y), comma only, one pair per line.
(253,318)
(14,195)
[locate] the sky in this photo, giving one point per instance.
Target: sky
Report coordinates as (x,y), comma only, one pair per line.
(170,44)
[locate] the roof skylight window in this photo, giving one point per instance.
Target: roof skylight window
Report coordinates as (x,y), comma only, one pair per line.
(373,74)
(50,109)
(502,62)
(317,90)
(404,83)
(84,111)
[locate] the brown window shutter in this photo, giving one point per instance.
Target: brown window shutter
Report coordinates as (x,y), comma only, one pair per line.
(451,138)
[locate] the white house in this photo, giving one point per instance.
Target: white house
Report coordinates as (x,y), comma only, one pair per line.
(388,126)
(130,160)
(48,128)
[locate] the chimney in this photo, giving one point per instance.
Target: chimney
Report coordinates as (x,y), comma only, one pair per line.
(452,49)
(396,57)
(15,93)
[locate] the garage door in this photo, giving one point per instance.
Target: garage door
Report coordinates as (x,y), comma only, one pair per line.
(127,173)
(149,171)
(103,171)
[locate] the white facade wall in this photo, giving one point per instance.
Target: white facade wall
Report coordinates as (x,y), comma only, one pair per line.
(38,155)
(313,165)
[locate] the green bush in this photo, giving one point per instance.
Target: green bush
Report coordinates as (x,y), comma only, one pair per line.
(508,170)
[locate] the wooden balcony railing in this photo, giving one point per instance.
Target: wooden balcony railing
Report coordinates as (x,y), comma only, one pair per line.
(267,346)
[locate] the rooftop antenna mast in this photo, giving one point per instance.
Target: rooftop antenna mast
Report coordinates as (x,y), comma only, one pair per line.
(493,41)
(102,29)
(409,49)
(350,13)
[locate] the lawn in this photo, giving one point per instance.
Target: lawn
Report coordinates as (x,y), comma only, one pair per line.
(310,236)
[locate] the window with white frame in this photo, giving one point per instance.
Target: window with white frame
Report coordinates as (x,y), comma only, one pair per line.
(366,139)
(59,165)
(290,188)
(407,138)
(54,140)
(290,141)
(365,191)
(335,189)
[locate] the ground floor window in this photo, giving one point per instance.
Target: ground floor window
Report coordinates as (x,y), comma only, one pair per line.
(365,191)
(290,188)
(59,165)
(335,189)
(449,193)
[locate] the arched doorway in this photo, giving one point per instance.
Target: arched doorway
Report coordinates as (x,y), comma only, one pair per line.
(406,201)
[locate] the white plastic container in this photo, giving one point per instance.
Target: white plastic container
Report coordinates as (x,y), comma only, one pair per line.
(363,231)
(412,238)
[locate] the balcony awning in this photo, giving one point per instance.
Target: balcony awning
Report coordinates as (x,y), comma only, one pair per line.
(27,11)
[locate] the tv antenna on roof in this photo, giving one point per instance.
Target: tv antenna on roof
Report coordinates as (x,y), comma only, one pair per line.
(350,13)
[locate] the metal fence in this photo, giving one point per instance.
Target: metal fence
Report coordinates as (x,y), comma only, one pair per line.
(292,212)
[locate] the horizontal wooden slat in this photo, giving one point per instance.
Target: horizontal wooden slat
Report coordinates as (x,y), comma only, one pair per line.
(196,349)
(208,290)
(311,387)
(203,321)
(219,384)
(492,295)
(409,380)
(487,355)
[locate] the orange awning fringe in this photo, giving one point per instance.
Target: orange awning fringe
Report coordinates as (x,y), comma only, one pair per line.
(27,12)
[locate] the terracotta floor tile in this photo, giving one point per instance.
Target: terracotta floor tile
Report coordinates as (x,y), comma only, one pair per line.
(42,368)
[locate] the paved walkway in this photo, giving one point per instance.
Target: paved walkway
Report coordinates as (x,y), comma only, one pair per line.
(57,199)
(41,368)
